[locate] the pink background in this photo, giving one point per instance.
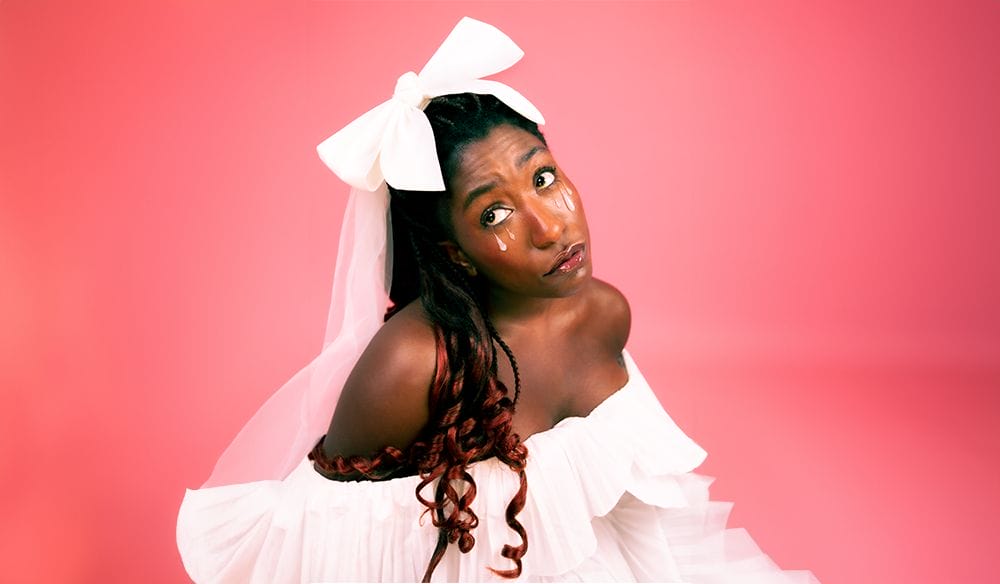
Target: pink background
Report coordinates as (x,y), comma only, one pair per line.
(800,200)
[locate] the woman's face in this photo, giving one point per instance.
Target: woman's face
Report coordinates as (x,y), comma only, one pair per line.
(517,219)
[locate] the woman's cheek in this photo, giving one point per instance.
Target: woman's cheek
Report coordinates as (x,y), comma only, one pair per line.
(503,238)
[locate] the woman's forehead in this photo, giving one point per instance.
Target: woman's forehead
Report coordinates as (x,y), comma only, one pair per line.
(505,150)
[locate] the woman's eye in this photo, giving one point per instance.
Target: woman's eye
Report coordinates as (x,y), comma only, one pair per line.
(544,179)
(494,217)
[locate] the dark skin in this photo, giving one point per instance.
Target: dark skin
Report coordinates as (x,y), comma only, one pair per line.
(566,328)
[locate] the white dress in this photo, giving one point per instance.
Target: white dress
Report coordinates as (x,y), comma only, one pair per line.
(611,497)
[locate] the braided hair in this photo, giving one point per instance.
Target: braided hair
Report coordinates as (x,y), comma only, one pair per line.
(471,411)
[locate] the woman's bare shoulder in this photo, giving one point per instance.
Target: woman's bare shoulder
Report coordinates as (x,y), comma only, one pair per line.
(609,313)
(384,402)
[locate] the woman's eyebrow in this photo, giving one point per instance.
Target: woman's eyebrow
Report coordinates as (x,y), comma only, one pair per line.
(527,155)
(476,193)
(482,190)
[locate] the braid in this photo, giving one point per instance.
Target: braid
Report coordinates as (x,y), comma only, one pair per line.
(470,412)
(510,358)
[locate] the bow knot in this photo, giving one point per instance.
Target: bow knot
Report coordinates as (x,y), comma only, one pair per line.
(409,91)
(394,141)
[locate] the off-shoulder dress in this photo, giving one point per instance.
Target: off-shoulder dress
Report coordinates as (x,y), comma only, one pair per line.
(611,497)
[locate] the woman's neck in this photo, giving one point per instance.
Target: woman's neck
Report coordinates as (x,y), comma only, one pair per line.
(509,310)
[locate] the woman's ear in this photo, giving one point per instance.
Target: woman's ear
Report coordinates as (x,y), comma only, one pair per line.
(458,257)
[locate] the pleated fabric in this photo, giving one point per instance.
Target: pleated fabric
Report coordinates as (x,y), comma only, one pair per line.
(611,497)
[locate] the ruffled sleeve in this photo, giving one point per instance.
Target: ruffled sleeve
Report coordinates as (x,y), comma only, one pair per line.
(304,529)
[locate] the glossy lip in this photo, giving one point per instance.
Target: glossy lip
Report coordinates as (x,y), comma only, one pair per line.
(565,255)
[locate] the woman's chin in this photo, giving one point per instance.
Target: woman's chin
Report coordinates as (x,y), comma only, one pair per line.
(573,282)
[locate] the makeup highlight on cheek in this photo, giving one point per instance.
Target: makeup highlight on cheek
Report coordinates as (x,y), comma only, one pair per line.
(500,242)
(567,196)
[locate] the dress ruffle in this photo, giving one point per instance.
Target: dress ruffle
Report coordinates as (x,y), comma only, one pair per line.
(611,497)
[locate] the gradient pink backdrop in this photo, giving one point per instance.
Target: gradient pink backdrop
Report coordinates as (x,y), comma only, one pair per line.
(799,199)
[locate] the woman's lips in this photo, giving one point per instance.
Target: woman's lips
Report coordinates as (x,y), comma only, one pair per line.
(569,260)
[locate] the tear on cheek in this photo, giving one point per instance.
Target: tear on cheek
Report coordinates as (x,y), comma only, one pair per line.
(500,242)
(567,197)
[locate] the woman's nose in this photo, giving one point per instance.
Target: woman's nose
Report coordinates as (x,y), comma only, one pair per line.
(547,223)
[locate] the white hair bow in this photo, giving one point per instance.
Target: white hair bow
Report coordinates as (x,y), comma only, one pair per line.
(394,141)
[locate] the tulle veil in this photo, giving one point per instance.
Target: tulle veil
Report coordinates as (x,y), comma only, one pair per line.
(293,419)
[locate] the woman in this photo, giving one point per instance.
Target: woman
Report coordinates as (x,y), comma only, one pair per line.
(495,407)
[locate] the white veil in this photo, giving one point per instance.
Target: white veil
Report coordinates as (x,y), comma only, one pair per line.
(292,420)
(391,142)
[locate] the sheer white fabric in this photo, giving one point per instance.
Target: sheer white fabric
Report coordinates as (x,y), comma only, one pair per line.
(611,497)
(293,419)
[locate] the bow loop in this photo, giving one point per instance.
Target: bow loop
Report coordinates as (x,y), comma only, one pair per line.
(472,50)
(394,142)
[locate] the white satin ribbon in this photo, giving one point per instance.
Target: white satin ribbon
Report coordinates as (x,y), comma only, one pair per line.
(394,142)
